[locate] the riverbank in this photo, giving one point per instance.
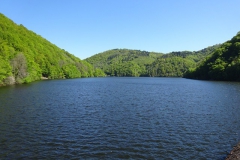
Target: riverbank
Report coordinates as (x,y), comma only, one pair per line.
(235,153)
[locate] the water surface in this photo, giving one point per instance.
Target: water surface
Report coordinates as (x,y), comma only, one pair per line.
(119,118)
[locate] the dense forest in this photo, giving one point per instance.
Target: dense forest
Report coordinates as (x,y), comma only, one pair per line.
(222,64)
(125,62)
(26,57)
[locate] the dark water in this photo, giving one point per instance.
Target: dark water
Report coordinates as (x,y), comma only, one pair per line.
(119,118)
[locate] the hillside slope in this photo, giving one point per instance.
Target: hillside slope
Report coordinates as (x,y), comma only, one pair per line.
(125,62)
(222,64)
(26,56)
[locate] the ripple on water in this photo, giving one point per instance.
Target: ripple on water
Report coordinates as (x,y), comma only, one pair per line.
(122,118)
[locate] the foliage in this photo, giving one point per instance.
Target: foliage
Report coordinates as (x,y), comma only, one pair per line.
(26,57)
(124,62)
(5,70)
(222,64)
(19,67)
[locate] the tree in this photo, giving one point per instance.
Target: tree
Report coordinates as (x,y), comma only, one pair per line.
(19,67)
(5,70)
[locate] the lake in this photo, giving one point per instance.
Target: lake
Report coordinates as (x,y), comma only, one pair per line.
(119,118)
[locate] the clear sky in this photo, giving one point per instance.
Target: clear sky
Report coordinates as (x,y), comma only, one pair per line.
(88,27)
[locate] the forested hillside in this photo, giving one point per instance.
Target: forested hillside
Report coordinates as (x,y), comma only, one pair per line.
(26,56)
(124,62)
(175,64)
(222,64)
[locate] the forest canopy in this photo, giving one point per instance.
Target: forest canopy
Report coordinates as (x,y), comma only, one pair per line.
(222,64)
(134,63)
(26,57)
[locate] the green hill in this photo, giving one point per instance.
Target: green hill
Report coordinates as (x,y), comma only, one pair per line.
(26,57)
(222,64)
(175,64)
(125,62)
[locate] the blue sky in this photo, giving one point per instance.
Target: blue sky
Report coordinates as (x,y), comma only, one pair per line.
(88,27)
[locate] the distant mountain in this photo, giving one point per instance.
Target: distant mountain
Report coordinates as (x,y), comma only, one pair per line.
(125,62)
(222,64)
(26,57)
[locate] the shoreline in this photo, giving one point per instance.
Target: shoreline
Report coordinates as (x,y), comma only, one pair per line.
(235,153)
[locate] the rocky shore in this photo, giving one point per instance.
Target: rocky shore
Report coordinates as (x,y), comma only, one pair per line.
(235,153)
